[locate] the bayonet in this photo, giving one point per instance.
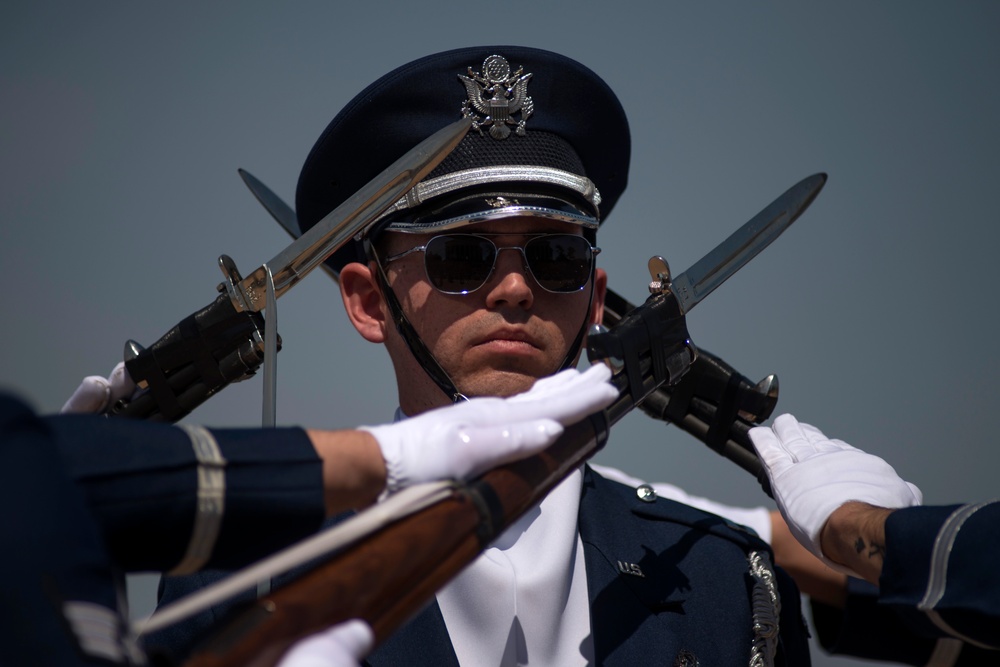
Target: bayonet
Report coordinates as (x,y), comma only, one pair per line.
(653,358)
(226,341)
(743,245)
(311,248)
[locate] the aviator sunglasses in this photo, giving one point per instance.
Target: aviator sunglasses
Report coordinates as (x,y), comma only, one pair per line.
(462,263)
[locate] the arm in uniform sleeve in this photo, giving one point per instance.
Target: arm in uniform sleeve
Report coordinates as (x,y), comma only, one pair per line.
(52,553)
(863,628)
(260,489)
(941,567)
(61,592)
(939,596)
(248,492)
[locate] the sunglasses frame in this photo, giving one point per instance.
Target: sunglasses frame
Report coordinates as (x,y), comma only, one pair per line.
(594,252)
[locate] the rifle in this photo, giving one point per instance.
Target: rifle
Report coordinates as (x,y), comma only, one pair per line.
(393,573)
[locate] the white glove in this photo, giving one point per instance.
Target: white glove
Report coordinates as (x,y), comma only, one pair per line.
(811,476)
(343,645)
(96,394)
(463,440)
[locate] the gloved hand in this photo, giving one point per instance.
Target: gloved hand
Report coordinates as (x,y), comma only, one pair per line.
(463,440)
(96,394)
(811,476)
(343,645)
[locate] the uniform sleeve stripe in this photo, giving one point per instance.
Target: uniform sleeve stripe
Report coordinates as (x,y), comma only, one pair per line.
(946,652)
(211,500)
(937,581)
(96,629)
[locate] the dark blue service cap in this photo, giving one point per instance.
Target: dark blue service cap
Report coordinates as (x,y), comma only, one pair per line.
(549,139)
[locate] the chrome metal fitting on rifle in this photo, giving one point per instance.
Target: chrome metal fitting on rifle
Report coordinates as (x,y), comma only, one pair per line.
(659,270)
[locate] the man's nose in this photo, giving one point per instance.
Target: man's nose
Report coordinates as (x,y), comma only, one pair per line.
(511,283)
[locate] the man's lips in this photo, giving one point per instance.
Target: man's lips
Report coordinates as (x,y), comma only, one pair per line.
(510,340)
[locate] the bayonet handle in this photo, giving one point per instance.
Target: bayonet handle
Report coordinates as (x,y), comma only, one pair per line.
(199,356)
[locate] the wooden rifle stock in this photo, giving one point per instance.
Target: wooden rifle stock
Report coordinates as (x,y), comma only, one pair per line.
(388,577)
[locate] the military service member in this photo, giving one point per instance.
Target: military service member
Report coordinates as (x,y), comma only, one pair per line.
(478,282)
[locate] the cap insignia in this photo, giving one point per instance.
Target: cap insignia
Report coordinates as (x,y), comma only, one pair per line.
(495,96)
(501,202)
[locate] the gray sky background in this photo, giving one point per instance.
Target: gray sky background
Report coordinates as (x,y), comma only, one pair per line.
(122,126)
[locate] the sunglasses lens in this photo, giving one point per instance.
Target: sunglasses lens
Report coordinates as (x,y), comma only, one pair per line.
(560,262)
(459,264)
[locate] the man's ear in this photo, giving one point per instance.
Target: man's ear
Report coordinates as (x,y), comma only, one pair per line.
(600,289)
(363,301)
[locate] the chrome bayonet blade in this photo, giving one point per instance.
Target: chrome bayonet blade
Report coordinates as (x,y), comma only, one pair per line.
(311,248)
(279,210)
(743,245)
(274,204)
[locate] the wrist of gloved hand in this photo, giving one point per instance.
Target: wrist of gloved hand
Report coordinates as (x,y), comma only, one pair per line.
(812,476)
(463,440)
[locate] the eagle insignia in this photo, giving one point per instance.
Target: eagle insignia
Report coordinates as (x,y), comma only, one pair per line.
(495,96)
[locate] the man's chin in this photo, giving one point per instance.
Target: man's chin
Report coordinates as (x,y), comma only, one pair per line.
(497,383)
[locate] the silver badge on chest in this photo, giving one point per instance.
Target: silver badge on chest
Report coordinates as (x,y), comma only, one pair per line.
(495,96)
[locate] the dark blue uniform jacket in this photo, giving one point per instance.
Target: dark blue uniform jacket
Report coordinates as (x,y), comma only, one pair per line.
(85,498)
(692,602)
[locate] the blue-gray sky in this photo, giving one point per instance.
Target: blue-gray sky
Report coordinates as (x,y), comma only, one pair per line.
(122,126)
